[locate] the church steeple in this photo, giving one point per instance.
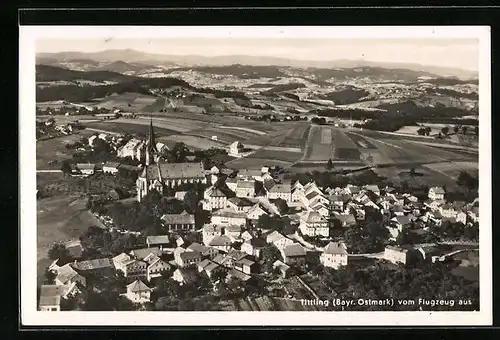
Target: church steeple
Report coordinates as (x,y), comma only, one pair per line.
(151,144)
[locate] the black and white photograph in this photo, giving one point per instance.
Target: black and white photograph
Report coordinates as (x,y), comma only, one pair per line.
(329,172)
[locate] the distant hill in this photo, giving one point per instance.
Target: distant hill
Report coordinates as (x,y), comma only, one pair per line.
(122,67)
(53,73)
(133,56)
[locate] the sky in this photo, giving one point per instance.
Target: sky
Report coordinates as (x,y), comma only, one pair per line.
(444,52)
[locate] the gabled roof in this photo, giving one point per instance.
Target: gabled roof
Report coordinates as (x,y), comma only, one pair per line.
(143,252)
(437,190)
(240,275)
(221,240)
(311,195)
(158,239)
(245,184)
(240,202)
(93,264)
(190,255)
(284,188)
(111,165)
(274,236)
(403,220)
(85,166)
(216,192)
(66,273)
(182,218)
(256,242)
(245,262)
(294,250)
(335,248)
(346,218)
(228,212)
(236,254)
(198,247)
(313,216)
(189,275)
(138,286)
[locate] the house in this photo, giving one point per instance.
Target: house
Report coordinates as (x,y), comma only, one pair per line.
(436,193)
(246,266)
(313,224)
(282,191)
(155,266)
(351,189)
(215,198)
(337,201)
(346,220)
(231,183)
(86,168)
(235,149)
(256,211)
(103,266)
(429,252)
(110,168)
(131,268)
(75,249)
(396,254)
(221,242)
(448,211)
(239,204)
(187,258)
(157,176)
(283,268)
(179,222)
(434,204)
(245,188)
(158,241)
(254,247)
(278,240)
(210,231)
(401,222)
(247,235)
(180,195)
(228,216)
(185,276)
(66,275)
(238,274)
(334,255)
(134,149)
(294,254)
(204,250)
(138,292)
(250,174)
(142,253)
(372,188)
(321,209)
(51,295)
(233,231)
(209,267)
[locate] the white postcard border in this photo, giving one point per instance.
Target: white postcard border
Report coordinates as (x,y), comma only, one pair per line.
(27,141)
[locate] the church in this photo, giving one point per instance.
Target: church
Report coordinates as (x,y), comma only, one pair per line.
(158,174)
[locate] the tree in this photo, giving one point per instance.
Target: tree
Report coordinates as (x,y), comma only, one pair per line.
(66,167)
(445,130)
(412,172)
(421,131)
(191,200)
(178,154)
(464,130)
(476,130)
(329,165)
(281,205)
(49,277)
(59,251)
(456,128)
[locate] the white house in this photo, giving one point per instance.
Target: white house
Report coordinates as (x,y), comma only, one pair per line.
(138,292)
(228,216)
(436,193)
(395,254)
(210,231)
(245,188)
(313,224)
(86,168)
(334,255)
(214,198)
(110,168)
(280,190)
(235,149)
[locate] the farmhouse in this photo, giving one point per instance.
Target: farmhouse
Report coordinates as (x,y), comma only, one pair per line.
(436,193)
(131,268)
(228,216)
(133,149)
(245,188)
(110,168)
(210,231)
(294,254)
(215,198)
(86,168)
(138,292)
(50,296)
(235,149)
(182,221)
(334,255)
(281,190)
(254,247)
(239,204)
(187,258)
(203,250)
(159,241)
(313,224)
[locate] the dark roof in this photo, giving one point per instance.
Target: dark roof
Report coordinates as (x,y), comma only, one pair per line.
(295,250)
(175,170)
(240,202)
(93,264)
(138,286)
(257,242)
(335,248)
(111,164)
(182,218)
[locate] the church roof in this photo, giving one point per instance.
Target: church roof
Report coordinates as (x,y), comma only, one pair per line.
(174,171)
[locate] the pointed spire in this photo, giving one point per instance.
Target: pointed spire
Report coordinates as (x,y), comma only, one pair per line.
(151,139)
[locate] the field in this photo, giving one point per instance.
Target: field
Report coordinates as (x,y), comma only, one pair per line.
(285,156)
(319,145)
(53,150)
(294,138)
(255,163)
(60,218)
(128,128)
(429,177)
(452,169)
(194,142)
(131,102)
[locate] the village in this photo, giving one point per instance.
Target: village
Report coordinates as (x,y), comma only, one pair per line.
(248,232)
